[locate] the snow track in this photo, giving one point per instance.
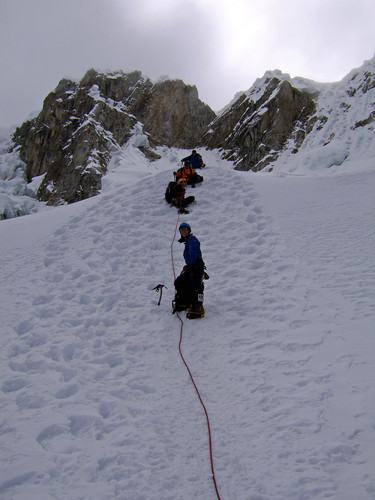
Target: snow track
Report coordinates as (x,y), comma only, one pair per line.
(95,401)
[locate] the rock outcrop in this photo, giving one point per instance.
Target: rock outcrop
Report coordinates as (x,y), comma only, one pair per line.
(71,141)
(274,124)
(280,120)
(256,127)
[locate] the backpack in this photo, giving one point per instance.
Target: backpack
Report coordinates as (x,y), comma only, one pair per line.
(169,191)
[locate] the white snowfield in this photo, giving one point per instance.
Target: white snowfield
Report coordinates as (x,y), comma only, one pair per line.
(95,402)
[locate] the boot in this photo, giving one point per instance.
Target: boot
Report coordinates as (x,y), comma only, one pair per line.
(197,311)
(179,306)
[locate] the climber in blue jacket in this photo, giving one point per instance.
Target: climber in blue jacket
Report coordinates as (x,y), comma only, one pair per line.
(195,160)
(189,286)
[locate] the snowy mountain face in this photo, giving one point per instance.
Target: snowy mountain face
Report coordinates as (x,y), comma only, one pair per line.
(95,400)
(82,123)
(257,126)
(344,128)
(281,124)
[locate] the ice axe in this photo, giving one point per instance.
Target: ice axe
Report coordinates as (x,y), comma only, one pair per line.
(159,288)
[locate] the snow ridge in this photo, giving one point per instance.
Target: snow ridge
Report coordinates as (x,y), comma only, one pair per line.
(95,402)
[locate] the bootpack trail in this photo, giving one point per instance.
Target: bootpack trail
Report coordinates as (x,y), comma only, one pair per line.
(95,402)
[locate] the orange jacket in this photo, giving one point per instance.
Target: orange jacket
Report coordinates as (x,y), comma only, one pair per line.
(184,172)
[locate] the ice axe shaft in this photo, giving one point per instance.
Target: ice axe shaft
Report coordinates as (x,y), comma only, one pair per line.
(159,288)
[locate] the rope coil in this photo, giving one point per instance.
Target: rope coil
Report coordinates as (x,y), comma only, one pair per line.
(190,374)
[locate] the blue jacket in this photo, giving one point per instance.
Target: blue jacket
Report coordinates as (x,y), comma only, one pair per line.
(195,160)
(192,250)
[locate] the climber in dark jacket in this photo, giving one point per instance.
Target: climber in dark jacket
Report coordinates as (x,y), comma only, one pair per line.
(178,196)
(195,160)
(189,285)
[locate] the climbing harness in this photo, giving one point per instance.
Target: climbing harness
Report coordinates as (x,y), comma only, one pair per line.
(159,288)
(190,374)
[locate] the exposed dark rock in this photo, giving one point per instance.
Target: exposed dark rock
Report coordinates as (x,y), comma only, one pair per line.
(82,123)
(173,114)
(149,153)
(253,132)
(366,121)
(73,137)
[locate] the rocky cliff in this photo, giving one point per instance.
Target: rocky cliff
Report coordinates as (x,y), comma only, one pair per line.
(70,142)
(258,124)
(279,118)
(279,122)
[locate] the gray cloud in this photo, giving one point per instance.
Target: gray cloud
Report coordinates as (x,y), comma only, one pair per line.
(219,46)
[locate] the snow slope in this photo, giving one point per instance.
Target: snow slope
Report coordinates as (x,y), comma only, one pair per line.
(95,400)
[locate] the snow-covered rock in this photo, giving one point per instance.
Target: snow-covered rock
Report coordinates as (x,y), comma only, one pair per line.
(288,124)
(82,123)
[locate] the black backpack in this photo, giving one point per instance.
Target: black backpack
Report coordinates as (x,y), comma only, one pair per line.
(169,191)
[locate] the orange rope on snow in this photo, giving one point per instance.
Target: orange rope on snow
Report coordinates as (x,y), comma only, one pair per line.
(190,374)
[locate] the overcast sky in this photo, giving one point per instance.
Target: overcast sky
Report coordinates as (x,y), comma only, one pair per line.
(221,46)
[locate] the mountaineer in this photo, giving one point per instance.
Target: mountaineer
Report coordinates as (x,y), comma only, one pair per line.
(189,285)
(189,173)
(175,195)
(195,159)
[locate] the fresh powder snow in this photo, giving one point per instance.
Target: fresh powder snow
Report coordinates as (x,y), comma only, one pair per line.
(95,400)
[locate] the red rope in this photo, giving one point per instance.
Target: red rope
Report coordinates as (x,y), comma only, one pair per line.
(190,374)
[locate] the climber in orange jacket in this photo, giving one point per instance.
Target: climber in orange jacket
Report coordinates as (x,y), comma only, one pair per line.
(188,173)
